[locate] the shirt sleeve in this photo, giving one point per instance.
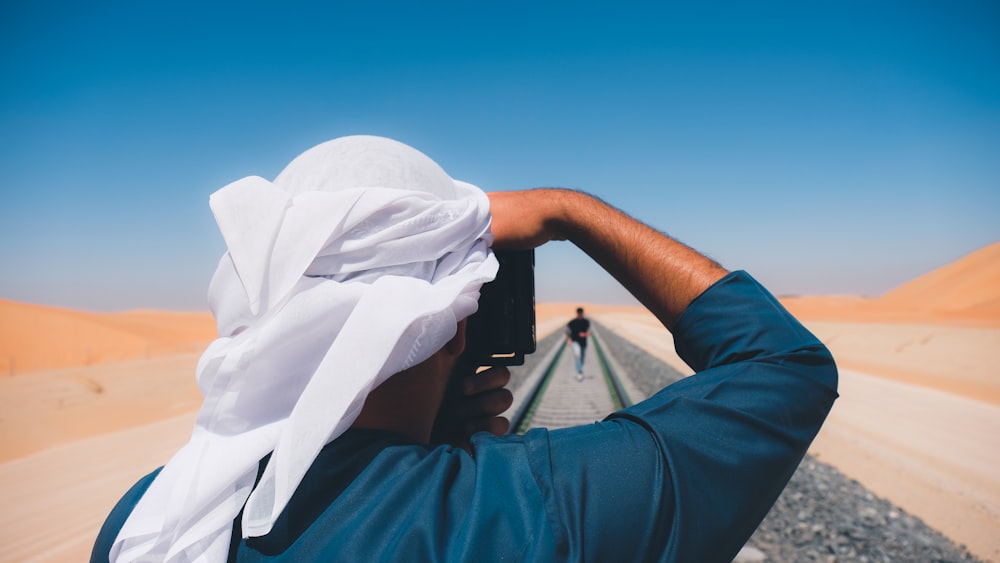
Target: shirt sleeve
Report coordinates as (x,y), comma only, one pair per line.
(688,474)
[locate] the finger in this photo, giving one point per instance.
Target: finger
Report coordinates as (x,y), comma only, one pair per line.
(492,378)
(496,425)
(487,403)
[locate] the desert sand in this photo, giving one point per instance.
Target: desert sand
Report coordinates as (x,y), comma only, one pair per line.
(91,402)
(36,337)
(44,409)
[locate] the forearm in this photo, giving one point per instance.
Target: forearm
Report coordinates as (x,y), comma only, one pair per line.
(664,274)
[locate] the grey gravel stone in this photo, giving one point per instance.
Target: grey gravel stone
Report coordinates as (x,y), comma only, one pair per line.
(750,555)
(824,516)
(648,373)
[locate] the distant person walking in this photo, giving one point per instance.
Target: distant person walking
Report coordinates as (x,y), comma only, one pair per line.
(577,331)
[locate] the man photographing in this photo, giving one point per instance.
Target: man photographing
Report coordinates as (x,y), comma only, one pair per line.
(341,305)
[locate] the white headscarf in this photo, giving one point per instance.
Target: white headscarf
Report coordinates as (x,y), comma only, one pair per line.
(356,263)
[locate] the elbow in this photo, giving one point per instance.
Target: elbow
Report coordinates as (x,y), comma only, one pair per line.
(821,365)
(816,377)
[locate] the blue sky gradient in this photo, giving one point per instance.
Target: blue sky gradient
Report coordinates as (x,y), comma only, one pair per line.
(825,147)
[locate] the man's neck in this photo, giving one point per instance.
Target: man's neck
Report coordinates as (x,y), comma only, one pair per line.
(407,403)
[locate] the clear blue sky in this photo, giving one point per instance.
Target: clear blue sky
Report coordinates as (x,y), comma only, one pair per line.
(826,147)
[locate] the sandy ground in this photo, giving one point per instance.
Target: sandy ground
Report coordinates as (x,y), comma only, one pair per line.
(957,360)
(932,453)
(56,500)
(40,410)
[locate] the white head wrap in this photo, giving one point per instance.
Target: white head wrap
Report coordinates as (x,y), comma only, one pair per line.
(356,263)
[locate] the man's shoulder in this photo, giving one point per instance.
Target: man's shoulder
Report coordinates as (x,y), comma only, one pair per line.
(119,514)
(350,498)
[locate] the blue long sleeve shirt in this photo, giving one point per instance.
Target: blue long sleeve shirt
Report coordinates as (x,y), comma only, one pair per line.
(686,475)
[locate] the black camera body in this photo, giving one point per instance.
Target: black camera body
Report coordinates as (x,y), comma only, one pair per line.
(502,331)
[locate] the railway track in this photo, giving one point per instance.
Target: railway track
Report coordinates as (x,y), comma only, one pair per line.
(558,397)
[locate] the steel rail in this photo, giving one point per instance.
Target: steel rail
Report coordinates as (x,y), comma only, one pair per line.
(521,420)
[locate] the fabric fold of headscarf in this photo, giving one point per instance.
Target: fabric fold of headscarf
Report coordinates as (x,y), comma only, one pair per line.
(356,263)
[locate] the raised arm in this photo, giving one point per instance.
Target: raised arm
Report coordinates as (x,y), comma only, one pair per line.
(706,457)
(664,274)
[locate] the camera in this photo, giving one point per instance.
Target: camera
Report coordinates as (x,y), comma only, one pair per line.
(502,331)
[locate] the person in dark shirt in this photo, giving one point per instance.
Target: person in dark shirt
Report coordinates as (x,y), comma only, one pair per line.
(686,475)
(577,331)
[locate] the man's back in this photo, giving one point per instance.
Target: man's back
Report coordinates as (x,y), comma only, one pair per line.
(650,482)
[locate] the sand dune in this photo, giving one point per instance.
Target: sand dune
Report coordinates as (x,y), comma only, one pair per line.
(36,337)
(963,293)
(969,285)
